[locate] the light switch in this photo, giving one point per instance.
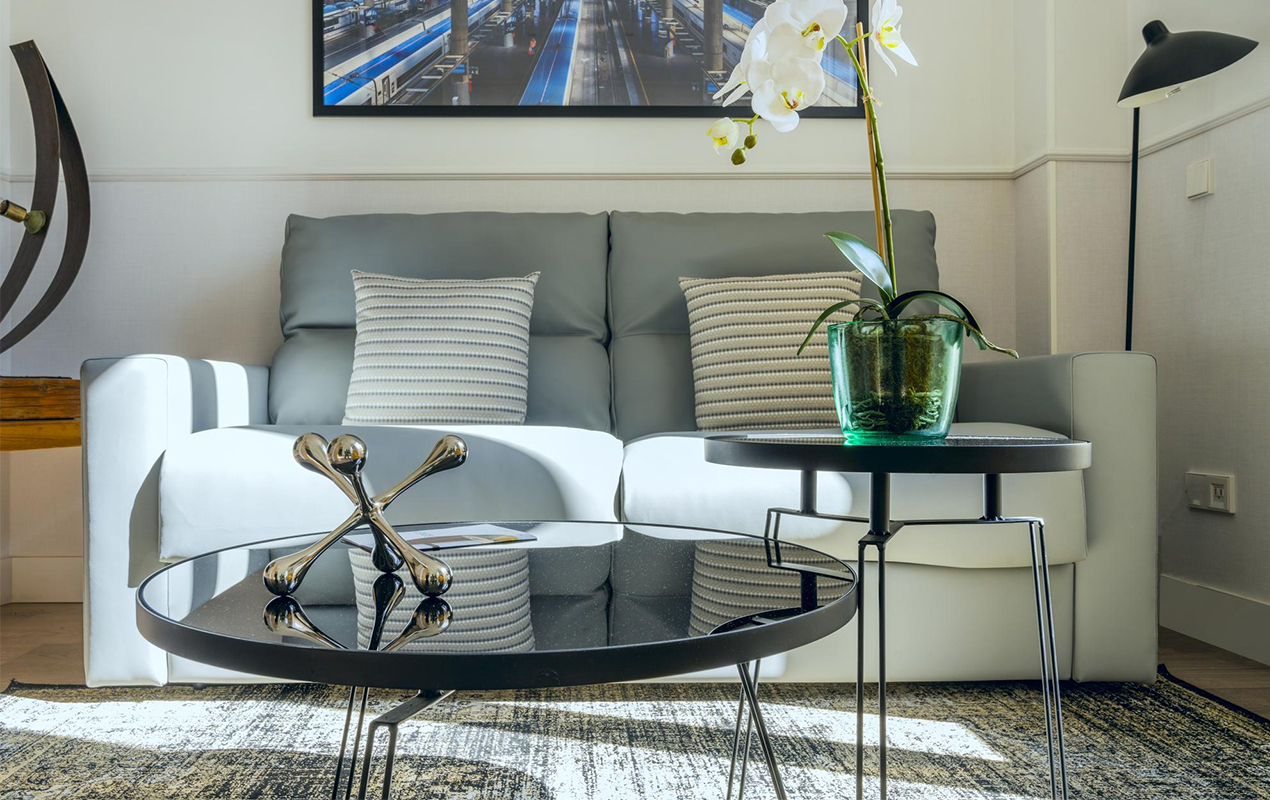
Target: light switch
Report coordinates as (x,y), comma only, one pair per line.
(1199,179)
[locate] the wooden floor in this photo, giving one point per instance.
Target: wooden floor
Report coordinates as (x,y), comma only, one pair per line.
(43,643)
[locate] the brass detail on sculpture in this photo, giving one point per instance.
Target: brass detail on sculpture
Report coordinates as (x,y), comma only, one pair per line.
(33,221)
(341,461)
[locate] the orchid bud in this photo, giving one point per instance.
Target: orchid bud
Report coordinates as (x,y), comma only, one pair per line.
(738,156)
(750,141)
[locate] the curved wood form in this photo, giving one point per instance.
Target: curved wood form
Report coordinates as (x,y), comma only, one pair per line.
(55,141)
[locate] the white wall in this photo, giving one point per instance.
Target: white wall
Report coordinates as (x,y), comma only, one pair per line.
(233,95)
(1203,278)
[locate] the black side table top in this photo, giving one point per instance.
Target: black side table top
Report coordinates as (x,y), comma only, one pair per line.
(995,455)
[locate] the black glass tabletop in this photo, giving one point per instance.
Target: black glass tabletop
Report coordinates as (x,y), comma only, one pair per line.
(955,454)
(552,603)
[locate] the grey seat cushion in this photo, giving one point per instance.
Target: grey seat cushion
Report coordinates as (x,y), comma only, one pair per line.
(568,363)
(652,367)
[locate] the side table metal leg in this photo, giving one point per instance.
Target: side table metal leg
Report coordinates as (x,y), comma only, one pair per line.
(1056,690)
(756,714)
(859,676)
(736,736)
(1045,640)
(882,670)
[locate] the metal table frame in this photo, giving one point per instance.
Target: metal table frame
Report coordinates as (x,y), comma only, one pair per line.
(881,530)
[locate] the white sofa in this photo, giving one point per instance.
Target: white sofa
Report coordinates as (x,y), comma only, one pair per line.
(182,456)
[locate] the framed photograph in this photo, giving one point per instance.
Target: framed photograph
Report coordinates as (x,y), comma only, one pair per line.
(569,58)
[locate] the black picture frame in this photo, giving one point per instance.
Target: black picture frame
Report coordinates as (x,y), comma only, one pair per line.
(320,109)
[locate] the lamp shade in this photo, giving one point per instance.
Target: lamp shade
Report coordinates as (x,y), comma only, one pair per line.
(1173,60)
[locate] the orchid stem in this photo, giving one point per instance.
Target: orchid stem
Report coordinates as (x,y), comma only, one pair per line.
(872,121)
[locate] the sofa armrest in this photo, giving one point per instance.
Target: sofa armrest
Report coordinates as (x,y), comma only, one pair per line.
(1108,399)
(134,407)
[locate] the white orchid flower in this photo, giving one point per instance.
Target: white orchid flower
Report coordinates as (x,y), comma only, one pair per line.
(755,50)
(724,134)
(786,87)
(813,24)
(885,24)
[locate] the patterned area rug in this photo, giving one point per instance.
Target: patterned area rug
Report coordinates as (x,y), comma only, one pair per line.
(627,741)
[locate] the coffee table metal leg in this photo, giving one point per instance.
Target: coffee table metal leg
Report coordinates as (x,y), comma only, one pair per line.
(391,720)
(736,737)
(760,727)
(357,736)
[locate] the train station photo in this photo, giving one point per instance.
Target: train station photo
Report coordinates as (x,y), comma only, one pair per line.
(579,53)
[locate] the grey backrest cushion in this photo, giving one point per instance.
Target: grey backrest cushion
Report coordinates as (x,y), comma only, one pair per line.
(650,353)
(568,364)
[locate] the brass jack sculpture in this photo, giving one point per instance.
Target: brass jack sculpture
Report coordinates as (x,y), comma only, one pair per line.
(342,461)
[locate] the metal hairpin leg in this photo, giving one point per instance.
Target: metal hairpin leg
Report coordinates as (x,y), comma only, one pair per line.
(749,695)
(357,736)
(1049,658)
(425,699)
(881,530)
(736,738)
(879,534)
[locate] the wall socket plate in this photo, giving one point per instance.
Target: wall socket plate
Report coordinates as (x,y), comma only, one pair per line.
(1209,491)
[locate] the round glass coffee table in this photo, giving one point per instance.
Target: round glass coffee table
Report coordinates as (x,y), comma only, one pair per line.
(549,604)
(991,456)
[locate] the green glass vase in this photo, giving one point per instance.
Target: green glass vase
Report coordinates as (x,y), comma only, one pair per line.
(896,378)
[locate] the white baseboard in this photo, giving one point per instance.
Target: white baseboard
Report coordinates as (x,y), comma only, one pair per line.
(45,579)
(1228,621)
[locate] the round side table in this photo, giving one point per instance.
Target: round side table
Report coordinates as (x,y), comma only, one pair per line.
(991,456)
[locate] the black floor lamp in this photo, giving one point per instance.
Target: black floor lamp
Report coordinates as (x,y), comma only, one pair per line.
(1171,61)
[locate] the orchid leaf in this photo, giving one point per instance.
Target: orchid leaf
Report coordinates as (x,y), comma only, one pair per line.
(961,314)
(865,259)
(863,302)
(897,306)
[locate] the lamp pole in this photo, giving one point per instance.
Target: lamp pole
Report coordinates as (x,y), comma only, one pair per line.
(1133,233)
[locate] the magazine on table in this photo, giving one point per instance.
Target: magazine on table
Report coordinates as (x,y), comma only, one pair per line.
(465,536)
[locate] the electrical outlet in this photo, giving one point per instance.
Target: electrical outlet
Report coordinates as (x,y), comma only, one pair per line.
(1211,491)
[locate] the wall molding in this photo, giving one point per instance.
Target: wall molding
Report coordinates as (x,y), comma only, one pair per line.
(954,173)
(1228,621)
(1203,127)
(269,175)
(1041,159)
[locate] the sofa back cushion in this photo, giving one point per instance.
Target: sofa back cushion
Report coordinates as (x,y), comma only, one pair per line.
(650,350)
(568,363)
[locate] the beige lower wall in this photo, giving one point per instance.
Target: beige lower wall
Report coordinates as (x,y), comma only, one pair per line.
(1092,211)
(1033,215)
(41,526)
(1070,241)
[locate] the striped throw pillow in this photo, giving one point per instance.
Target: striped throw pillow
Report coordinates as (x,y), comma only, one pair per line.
(440,351)
(724,588)
(745,334)
(489,601)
